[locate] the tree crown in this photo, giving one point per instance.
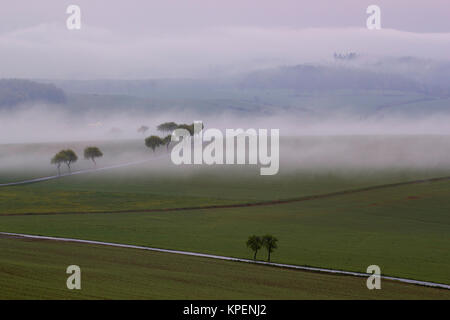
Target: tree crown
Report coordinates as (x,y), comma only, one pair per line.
(269,242)
(167,126)
(254,242)
(92,152)
(153,142)
(67,156)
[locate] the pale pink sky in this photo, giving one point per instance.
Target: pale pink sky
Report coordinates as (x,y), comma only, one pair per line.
(183,38)
(153,15)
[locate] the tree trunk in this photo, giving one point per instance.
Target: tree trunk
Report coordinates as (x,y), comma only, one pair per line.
(254,257)
(269,257)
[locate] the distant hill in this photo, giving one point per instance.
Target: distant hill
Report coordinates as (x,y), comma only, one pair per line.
(404,86)
(15,91)
(325,78)
(405,74)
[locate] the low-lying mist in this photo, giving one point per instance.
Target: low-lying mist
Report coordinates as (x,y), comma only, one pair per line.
(41,123)
(31,136)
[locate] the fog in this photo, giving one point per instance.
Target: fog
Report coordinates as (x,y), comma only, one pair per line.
(43,123)
(48,51)
(31,136)
(151,39)
(221,41)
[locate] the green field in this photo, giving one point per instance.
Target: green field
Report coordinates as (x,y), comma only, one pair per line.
(403,229)
(143,188)
(36,270)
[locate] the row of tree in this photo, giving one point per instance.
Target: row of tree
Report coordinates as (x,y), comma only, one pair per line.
(257,242)
(68,157)
(154,141)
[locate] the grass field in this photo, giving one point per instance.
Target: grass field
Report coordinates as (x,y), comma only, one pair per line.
(404,229)
(131,189)
(158,184)
(36,270)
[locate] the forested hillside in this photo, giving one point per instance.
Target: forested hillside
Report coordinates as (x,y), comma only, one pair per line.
(15,91)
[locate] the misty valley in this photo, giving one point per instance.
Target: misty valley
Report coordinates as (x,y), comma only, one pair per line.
(203,151)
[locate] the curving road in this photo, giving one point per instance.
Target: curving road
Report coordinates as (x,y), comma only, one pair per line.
(211,256)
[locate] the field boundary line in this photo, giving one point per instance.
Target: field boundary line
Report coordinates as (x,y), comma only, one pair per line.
(225,258)
(243,205)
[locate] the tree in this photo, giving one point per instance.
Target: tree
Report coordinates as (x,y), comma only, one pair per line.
(167,127)
(70,157)
(143,129)
(270,243)
(64,156)
(58,160)
(153,142)
(166,141)
(92,153)
(254,243)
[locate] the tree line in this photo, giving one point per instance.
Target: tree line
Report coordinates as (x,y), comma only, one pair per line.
(154,141)
(68,156)
(17,91)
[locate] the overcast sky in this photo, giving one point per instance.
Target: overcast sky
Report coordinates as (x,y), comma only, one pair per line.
(178,38)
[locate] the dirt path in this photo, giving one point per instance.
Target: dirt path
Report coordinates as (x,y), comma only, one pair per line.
(195,254)
(250,204)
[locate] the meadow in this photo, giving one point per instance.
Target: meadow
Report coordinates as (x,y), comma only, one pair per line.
(403,229)
(308,166)
(36,270)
